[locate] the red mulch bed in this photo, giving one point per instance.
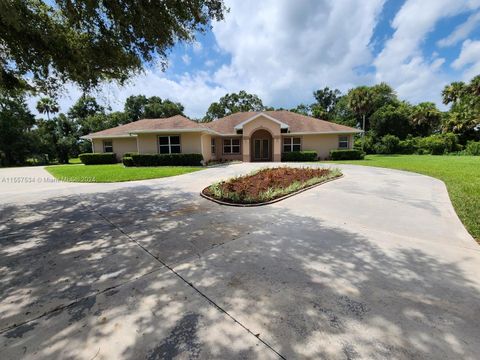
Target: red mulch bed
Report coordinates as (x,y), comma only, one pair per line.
(250,186)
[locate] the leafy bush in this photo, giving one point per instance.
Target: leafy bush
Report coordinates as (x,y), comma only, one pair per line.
(388,144)
(308,155)
(129,154)
(98,158)
(127,161)
(351,154)
(368,144)
(167,159)
(438,144)
(473,148)
(408,146)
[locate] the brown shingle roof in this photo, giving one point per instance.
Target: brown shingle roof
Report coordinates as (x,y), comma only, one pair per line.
(176,122)
(297,123)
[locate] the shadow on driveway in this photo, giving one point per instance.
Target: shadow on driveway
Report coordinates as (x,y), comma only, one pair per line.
(85,277)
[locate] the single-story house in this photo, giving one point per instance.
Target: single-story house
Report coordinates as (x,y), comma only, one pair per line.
(246,136)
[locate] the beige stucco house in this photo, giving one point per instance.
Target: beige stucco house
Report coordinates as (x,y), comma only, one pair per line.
(246,136)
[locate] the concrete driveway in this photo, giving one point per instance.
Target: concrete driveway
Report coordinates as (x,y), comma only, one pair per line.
(375,265)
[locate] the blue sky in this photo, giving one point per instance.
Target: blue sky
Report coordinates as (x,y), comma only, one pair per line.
(284,50)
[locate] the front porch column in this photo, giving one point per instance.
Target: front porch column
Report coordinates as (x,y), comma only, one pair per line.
(277,148)
(246,148)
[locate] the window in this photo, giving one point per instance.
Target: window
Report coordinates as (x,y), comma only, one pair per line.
(169,144)
(291,144)
(343,142)
(214,149)
(108,146)
(231,146)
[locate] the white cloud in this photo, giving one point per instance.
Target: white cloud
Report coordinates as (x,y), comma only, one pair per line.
(461,32)
(469,59)
(210,63)
(402,64)
(283,50)
(197,47)
(186,59)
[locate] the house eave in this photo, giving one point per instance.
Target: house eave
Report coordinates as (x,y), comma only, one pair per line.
(178,131)
(90,137)
(323,132)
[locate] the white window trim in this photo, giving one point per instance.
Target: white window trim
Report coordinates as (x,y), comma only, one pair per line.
(104,146)
(291,143)
(169,143)
(231,146)
(213,146)
(347,141)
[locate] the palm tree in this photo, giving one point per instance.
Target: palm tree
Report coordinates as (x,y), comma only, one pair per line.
(47,106)
(360,102)
(426,118)
(453,92)
(474,86)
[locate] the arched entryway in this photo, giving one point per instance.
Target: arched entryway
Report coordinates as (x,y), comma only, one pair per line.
(261,145)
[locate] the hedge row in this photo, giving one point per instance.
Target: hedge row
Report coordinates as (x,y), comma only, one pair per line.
(163,160)
(98,158)
(351,154)
(300,156)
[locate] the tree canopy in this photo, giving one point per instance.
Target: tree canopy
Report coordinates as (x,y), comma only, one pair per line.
(463,118)
(47,43)
(234,102)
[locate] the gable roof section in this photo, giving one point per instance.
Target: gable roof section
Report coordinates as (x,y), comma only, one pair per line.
(174,123)
(282,125)
(297,123)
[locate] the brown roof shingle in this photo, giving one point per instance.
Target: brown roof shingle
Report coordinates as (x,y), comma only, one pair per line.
(297,123)
(176,122)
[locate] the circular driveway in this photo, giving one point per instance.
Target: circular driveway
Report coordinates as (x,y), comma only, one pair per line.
(373,265)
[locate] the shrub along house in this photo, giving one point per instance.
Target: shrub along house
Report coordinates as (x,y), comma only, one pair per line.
(246,136)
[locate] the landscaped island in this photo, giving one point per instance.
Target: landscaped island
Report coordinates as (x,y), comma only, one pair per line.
(269,184)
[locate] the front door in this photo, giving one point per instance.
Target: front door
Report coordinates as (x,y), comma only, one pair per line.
(261,149)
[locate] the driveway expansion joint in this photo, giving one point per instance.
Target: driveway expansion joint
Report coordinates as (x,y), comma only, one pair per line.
(206,297)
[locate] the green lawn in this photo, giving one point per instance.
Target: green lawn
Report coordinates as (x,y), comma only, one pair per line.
(461,174)
(115,172)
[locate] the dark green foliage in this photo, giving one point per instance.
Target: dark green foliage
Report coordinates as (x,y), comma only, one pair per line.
(307,155)
(473,148)
(391,119)
(438,144)
(98,158)
(368,143)
(232,103)
(302,109)
(100,121)
(127,161)
(326,101)
(140,107)
(463,118)
(389,144)
(408,146)
(17,140)
(425,118)
(129,154)
(86,42)
(167,159)
(47,106)
(351,154)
